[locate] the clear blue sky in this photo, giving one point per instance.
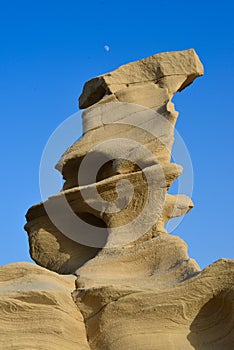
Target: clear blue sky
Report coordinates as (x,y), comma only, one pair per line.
(48,49)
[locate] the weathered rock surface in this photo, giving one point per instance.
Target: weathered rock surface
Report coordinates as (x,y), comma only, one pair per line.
(172,70)
(157,263)
(136,286)
(195,314)
(37,310)
(54,250)
(128,136)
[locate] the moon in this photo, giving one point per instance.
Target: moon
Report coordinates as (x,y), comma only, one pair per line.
(107,48)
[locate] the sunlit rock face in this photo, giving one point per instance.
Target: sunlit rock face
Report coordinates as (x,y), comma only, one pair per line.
(118,173)
(136,286)
(37,310)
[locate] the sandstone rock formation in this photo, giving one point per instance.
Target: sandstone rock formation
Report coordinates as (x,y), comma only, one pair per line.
(37,310)
(136,286)
(141,112)
(195,314)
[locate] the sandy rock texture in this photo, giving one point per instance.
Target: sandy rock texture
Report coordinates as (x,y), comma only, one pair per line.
(128,135)
(171,70)
(37,310)
(119,280)
(197,313)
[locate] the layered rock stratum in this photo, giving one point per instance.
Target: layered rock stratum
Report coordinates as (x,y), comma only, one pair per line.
(118,279)
(37,310)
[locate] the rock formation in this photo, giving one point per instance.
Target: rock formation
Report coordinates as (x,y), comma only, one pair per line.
(37,310)
(135,285)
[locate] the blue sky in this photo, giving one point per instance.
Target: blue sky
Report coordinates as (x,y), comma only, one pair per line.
(49,49)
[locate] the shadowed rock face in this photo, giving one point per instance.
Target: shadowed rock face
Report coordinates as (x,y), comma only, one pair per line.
(136,286)
(213,325)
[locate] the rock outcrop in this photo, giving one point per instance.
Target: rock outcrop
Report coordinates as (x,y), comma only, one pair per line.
(37,310)
(195,314)
(172,71)
(135,285)
(127,137)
